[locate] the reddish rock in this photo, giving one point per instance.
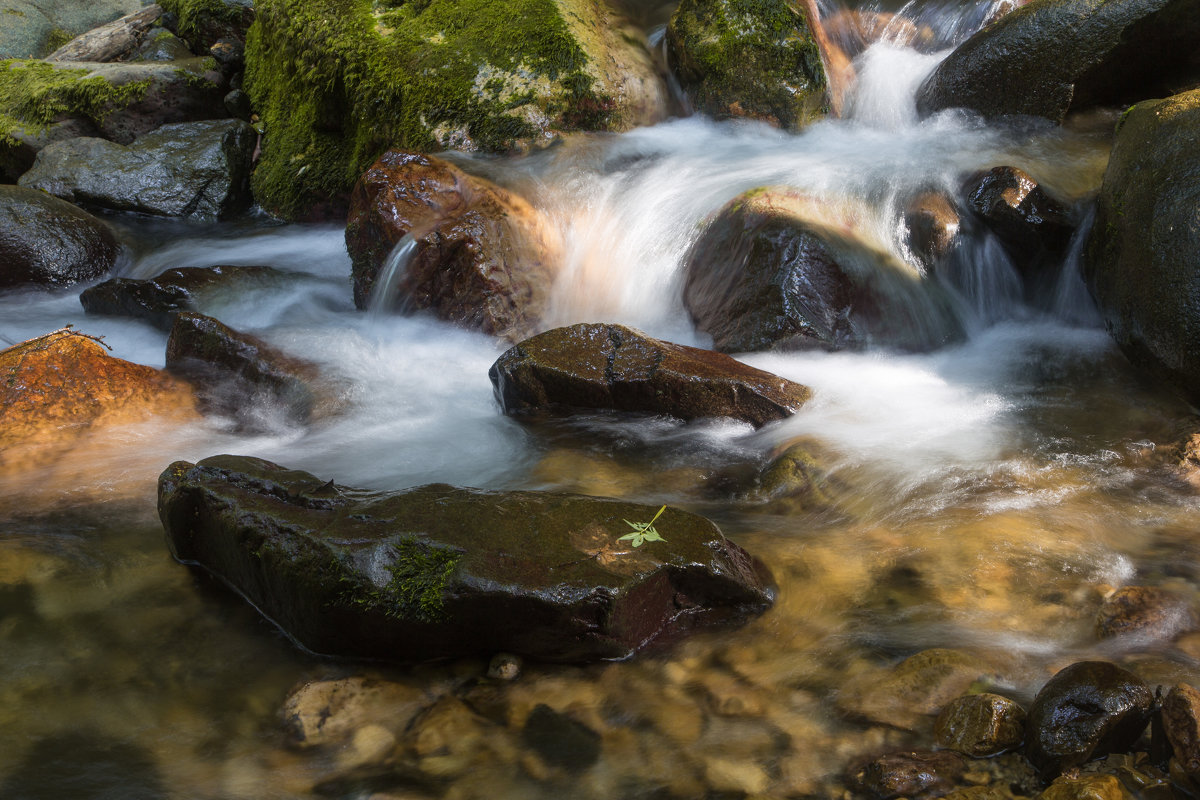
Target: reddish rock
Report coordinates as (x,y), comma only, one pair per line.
(916,773)
(481,256)
(1181,724)
(1145,612)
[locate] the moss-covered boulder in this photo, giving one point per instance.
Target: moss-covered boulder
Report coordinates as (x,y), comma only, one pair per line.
(777,269)
(201,23)
(748,58)
(45,241)
(157,300)
(33,28)
(243,377)
(1141,256)
(117,101)
(337,82)
(614,368)
(1052,57)
(475,254)
(196,170)
(440,571)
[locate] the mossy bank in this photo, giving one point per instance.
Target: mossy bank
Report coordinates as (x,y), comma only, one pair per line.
(337,82)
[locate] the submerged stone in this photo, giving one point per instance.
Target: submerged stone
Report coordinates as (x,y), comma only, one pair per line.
(197,170)
(1140,259)
(475,254)
(909,694)
(980,725)
(1087,710)
(611,367)
(440,571)
(45,241)
(1181,724)
(560,740)
(916,773)
(777,269)
(1143,613)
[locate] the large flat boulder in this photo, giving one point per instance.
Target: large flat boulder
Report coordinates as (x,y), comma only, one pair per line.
(48,242)
(441,571)
(475,254)
(336,84)
(196,170)
(1052,57)
(1141,256)
(597,366)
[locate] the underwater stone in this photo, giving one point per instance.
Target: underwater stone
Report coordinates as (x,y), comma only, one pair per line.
(980,725)
(439,571)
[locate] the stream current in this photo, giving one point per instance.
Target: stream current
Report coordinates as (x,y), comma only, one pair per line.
(983,497)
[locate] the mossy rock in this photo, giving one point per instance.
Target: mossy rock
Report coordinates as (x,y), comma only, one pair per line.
(1141,255)
(202,22)
(337,82)
(439,571)
(748,58)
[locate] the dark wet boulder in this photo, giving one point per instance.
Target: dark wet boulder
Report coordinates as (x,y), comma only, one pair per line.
(478,255)
(914,773)
(440,571)
(157,300)
(1181,725)
(240,375)
(1140,259)
(980,725)
(780,270)
(933,225)
(596,366)
(116,40)
(1033,227)
(45,241)
(1144,614)
(487,75)
(197,170)
(735,58)
(33,28)
(1052,57)
(1086,711)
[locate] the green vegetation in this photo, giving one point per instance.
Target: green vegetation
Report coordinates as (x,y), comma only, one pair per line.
(337,82)
(56,38)
(644,531)
(198,16)
(419,572)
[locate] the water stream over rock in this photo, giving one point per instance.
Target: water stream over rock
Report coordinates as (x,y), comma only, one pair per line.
(983,497)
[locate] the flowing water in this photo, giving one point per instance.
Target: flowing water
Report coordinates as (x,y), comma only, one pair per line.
(983,497)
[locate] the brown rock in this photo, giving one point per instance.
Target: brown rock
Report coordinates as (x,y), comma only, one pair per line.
(329,712)
(980,725)
(1181,723)
(597,366)
(1086,787)
(1031,225)
(913,690)
(1144,612)
(481,256)
(933,225)
(916,773)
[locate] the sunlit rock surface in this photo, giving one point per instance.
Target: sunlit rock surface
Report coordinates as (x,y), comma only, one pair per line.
(439,571)
(476,255)
(611,367)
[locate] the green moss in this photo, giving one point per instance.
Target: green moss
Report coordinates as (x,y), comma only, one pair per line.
(56,38)
(415,592)
(198,16)
(34,94)
(337,83)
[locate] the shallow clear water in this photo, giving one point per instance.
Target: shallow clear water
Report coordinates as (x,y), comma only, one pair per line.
(983,497)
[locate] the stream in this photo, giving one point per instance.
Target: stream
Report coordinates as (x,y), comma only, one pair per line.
(984,497)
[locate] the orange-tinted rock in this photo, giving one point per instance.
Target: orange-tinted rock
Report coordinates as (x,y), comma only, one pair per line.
(1144,612)
(481,256)
(1181,724)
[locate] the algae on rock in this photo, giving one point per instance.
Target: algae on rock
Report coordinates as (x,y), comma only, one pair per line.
(337,82)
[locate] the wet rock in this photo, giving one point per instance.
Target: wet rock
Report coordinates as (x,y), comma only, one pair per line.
(237,103)
(437,571)
(980,725)
(236,374)
(33,28)
(1181,724)
(431,77)
(480,256)
(20,150)
(1086,787)
(330,712)
(1146,613)
(504,667)
(1140,256)
(856,29)
(121,100)
(736,776)
(560,740)
(910,693)
(916,773)
(198,170)
(1087,710)
(110,42)
(933,225)
(756,60)
(780,270)
(61,765)
(1052,57)
(1033,227)
(449,739)
(203,22)
(160,44)
(157,300)
(597,366)
(795,476)
(47,242)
